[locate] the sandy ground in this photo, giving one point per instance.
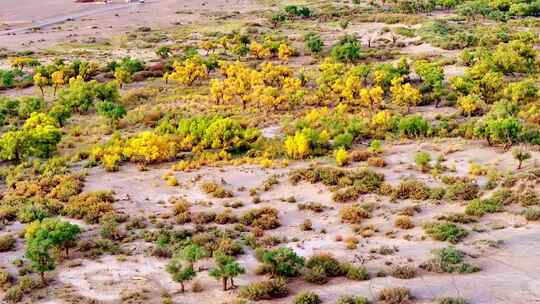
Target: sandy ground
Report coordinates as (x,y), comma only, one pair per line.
(97,19)
(509,272)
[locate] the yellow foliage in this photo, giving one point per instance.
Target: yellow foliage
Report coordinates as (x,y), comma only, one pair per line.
(260,51)
(285,51)
(297,146)
(189,71)
(342,157)
(404,94)
(148,147)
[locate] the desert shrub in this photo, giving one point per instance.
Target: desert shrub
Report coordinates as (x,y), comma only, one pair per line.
(411,189)
(90,206)
(314,43)
(226,217)
(342,157)
(364,180)
(326,261)
(422,160)
(448,260)
(361,155)
(180,205)
(413,126)
(306,225)
(356,273)
(528,198)
(376,162)
(502,196)
(265,290)
(394,295)
(531,214)
(479,207)
(307,297)
(203,217)
(216,190)
(282,262)
(312,206)
(462,189)
(403,222)
(460,218)
(353,214)
(265,218)
(316,275)
(445,231)
(448,300)
(403,272)
(348,49)
(347,299)
(7,242)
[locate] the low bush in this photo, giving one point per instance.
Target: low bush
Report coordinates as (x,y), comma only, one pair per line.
(403,272)
(347,299)
(90,206)
(265,290)
(448,300)
(479,207)
(307,297)
(394,295)
(411,189)
(356,273)
(326,261)
(441,231)
(353,214)
(316,275)
(403,222)
(531,214)
(448,260)
(264,218)
(7,242)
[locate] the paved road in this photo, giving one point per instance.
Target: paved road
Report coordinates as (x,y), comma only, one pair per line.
(105,8)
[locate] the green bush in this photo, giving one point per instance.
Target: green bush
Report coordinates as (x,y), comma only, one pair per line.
(307,297)
(347,299)
(356,273)
(347,49)
(448,260)
(413,126)
(479,207)
(532,214)
(316,275)
(411,189)
(326,261)
(264,218)
(282,262)
(445,232)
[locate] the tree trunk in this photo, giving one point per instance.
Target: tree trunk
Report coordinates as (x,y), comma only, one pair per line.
(67,252)
(224,279)
(42,275)
(232,283)
(519,165)
(182,288)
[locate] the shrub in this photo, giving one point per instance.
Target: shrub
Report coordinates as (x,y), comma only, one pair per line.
(411,189)
(479,207)
(422,160)
(531,214)
(403,272)
(445,232)
(462,189)
(448,300)
(265,290)
(413,126)
(216,190)
(306,225)
(327,262)
(7,242)
(353,214)
(346,299)
(314,43)
(356,273)
(265,218)
(342,157)
(528,198)
(404,222)
(448,260)
(347,49)
(394,295)
(307,297)
(90,206)
(316,275)
(282,262)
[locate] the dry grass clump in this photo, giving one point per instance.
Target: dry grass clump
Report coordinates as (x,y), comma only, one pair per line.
(353,214)
(403,272)
(461,188)
(264,218)
(7,242)
(312,206)
(90,206)
(265,290)
(448,260)
(395,295)
(403,222)
(216,190)
(411,189)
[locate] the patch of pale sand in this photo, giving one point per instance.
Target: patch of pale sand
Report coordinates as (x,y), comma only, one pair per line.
(454,70)
(427,49)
